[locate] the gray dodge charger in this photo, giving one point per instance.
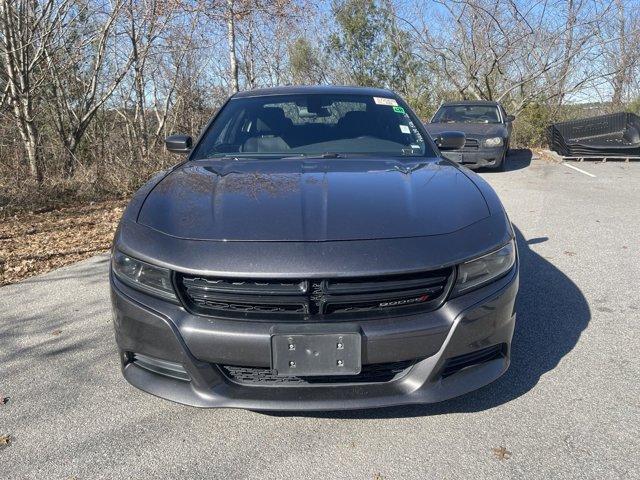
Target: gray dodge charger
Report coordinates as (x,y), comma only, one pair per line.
(314,251)
(487,128)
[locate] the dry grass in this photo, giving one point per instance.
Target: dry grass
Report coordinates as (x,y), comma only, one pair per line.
(547,155)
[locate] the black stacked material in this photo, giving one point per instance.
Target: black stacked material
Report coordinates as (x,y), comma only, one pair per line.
(614,135)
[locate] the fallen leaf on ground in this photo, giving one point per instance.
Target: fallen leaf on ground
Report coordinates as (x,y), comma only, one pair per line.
(36,242)
(56,332)
(4,400)
(377,476)
(501,453)
(5,441)
(571,254)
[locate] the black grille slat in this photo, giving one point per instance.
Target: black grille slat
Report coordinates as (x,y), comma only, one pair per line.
(251,307)
(247,287)
(260,299)
(471,143)
(374,373)
(302,299)
(342,286)
(369,302)
(382,296)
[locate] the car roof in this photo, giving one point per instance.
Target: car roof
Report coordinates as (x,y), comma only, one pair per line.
(316,89)
(469,102)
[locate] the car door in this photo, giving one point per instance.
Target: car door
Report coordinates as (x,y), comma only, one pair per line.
(507,123)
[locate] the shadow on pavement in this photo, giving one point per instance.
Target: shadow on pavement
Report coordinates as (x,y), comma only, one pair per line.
(57,319)
(552,312)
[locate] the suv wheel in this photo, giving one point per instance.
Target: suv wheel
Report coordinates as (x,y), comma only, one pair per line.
(501,165)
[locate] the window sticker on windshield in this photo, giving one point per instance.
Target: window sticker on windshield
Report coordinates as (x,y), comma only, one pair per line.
(405,129)
(398,109)
(385,101)
(415,131)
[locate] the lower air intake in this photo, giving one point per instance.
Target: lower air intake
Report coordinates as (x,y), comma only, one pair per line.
(374,373)
(159,366)
(455,364)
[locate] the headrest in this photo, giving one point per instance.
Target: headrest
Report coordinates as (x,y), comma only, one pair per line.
(271,119)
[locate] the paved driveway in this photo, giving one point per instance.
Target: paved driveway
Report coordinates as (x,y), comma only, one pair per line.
(568,407)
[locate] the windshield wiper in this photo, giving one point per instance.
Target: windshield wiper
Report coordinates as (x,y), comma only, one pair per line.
(220,156)
(273,155)
(320,155)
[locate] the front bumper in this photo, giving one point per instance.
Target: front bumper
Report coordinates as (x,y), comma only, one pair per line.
(477,158)
(152,327)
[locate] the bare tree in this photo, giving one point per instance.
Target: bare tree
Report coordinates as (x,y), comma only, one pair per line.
(148,28)
(266,34)
(511,51)
(28,30)
(247,21)
(231,40)
(81,80)
(619,38)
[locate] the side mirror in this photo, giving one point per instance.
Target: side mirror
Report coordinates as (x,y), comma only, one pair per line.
(511,118)
(178,143)
(450,140)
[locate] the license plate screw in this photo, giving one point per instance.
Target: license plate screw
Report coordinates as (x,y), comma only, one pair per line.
(340,346)
(292,346)
(340,363)
(292,364)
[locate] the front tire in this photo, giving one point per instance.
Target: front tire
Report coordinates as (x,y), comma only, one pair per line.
(501,165)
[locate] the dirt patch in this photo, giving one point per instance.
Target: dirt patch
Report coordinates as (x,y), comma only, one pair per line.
(37,242)
(547,155)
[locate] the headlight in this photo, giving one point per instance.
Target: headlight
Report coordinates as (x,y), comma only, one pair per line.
(493,142)
(479,272)
(142,276)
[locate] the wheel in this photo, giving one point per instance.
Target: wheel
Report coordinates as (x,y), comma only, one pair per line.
(501,165)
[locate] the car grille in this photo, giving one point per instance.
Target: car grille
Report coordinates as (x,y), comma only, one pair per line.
(471,144)
(374,373)
(339,298)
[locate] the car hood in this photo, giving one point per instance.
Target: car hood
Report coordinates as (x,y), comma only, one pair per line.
(312,200)
(473,129)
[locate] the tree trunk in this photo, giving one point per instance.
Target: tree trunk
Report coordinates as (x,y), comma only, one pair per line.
(140,118)
(620,79)
(250,70)
(231,40)
(567,59)
(29,135)
(69,162)
(16,53)
(33,152)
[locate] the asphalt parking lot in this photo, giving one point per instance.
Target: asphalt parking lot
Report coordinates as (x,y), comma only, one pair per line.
(569,407)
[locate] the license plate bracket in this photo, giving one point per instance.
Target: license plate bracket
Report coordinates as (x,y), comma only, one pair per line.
(307,355)
(457,157)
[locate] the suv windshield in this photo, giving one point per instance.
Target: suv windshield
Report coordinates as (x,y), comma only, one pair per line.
(313,125)
(467,114)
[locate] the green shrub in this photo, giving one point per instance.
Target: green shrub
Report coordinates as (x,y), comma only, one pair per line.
(530,127)
(634,106)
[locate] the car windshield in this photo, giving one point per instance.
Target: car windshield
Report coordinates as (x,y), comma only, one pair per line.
(467,114)
(313,125)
